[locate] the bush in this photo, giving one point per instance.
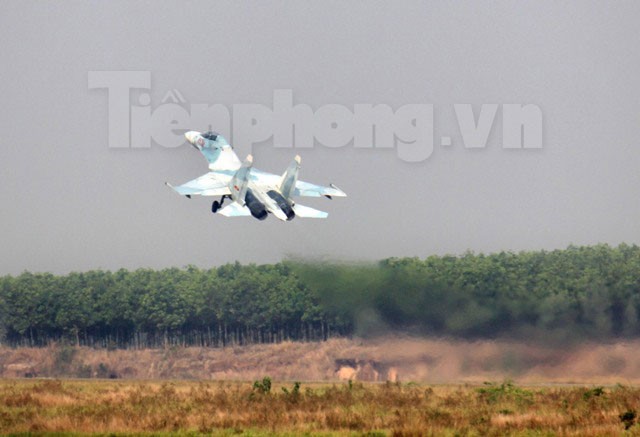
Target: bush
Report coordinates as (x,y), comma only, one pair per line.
(263,386)
(628,418)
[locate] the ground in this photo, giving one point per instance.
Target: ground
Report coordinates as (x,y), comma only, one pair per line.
(402,359)
(267,407)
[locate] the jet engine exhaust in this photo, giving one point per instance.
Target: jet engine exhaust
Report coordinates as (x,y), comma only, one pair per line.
(256,207)
(282,204)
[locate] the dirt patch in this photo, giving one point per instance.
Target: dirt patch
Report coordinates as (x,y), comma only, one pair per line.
(390,359)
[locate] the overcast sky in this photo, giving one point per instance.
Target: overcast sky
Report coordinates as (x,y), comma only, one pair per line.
(72,203)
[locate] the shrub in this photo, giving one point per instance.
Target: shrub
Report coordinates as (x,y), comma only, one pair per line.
(263,386)
(628,418)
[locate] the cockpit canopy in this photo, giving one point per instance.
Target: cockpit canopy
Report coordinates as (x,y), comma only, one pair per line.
(210,135)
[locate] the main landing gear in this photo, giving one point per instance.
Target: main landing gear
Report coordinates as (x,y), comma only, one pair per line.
(215,206)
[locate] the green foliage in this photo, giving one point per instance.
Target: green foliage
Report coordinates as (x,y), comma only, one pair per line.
(594,392)
(506,391)
(293,395)
(83,371)
(562,295)
(628,418)
(63,359)
(295,391)
(263,386)
(102,371)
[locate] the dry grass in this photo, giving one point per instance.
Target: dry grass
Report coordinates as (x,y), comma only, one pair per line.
(421,360)
(102,406)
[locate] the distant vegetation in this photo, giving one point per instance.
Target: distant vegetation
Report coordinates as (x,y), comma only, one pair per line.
(579,292)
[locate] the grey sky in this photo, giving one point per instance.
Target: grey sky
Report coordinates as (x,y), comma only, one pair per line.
(69,202)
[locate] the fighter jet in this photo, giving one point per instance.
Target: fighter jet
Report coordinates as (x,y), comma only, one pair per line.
(251,192)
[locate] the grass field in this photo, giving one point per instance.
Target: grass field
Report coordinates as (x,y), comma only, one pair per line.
(264,408)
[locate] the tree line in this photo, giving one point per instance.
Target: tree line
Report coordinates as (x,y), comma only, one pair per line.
(571,294)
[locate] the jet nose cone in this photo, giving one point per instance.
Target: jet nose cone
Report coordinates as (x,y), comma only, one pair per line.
(191,136)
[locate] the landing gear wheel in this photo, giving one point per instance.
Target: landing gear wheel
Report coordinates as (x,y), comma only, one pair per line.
(215,207)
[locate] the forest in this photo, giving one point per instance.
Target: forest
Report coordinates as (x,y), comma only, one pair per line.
(559,296)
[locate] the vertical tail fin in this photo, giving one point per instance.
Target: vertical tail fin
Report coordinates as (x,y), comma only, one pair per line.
(240,181)
(289,178)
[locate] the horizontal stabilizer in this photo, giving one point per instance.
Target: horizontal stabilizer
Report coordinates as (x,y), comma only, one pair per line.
(307,212)
(311,190)
(234,209)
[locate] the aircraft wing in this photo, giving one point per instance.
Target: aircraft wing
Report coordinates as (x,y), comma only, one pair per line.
(205,185)
(304,189)
(311,190)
